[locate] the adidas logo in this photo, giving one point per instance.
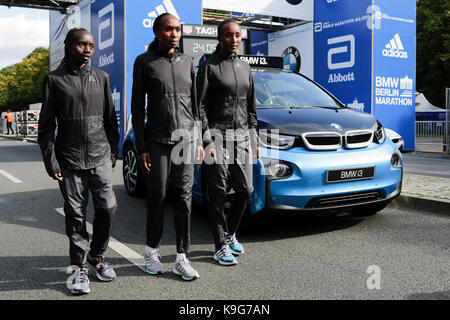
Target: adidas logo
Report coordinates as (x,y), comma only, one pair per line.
(166,7)
(395,49)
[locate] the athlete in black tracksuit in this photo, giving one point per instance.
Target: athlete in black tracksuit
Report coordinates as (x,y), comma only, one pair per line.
(168,81)
(81,157)
(227,104)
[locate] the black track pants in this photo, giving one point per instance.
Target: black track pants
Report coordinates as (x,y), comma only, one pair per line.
(180,176)
(75,189)
(228,171)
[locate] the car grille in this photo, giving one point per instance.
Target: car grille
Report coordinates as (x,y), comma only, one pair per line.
(333,140)
(322,140)
(358,139)
(343,200)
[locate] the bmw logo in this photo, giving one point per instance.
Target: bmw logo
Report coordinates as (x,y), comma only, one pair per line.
(291,59)
(294,2)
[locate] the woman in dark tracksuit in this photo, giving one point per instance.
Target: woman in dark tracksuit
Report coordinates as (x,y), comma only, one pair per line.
(228,111)
(167,78)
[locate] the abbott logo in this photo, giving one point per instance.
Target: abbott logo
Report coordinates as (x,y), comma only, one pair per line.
(395,49)
(108,23)
(349,38)
(166,7)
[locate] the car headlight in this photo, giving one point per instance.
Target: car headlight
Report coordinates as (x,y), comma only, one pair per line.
(380,135)
(275,141)
(276,169)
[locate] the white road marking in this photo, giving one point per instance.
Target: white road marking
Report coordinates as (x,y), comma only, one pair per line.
(129,254)
(10,176)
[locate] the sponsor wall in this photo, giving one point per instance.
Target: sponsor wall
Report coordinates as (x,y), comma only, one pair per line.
(364,53)
(394,65)
(295,45)
(107,27)
(342,46)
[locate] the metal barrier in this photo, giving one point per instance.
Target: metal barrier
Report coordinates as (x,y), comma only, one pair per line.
(430,132)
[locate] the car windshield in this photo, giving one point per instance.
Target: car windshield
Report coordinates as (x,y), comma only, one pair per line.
(279,90)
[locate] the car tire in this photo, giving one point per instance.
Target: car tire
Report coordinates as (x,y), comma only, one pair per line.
(369,210)
(132,177)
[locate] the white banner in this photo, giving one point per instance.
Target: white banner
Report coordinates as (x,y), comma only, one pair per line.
(294,9)
(295,45)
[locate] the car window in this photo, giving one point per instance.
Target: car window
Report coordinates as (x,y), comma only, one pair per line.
(289,90)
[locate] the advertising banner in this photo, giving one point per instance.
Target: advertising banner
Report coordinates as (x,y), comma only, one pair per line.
(295,45)
(108,29)
(295,9)
(259,43)
(60,24)
(342,50)
(394,65)
(140,15)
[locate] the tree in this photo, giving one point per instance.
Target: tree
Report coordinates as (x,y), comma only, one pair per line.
(21,84)
(433,49)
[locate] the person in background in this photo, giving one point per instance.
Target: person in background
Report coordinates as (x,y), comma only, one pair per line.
(9,120)
(167,78)
(228,111)
(83,154)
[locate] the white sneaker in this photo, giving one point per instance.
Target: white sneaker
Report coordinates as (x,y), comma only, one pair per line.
(184,269)
(153,265)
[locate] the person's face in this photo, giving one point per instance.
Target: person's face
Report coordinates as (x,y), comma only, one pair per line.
(82,48)
(231,38)
(169,34)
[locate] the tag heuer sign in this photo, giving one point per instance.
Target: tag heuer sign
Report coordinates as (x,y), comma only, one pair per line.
(205,31)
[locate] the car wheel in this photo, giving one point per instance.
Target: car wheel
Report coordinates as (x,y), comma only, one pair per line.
(132,178)
(369,210)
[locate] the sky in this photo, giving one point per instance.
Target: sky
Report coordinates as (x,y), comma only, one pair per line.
(21,31)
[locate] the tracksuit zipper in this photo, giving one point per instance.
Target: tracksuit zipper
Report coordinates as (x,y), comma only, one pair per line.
(177,120)
(236,93)
(84,136)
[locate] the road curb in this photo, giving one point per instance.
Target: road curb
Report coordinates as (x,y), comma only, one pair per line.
(439,206)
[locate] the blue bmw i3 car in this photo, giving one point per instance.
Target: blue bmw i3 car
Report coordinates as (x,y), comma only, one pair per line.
(316,155)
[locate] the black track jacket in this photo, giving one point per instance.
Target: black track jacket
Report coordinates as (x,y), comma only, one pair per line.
(169,83)
(81,102)
(226,95)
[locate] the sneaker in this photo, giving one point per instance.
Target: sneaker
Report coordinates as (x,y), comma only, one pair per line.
(224,256)
(153,265)
(81,282)
(103,271)
(185,270)
(234,245)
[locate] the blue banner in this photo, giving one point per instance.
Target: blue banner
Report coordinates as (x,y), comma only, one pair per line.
(342,51)
(107,27)
(140,15)
(259,44)
(394,65)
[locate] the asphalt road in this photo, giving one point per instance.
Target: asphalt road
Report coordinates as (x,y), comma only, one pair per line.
(396,254)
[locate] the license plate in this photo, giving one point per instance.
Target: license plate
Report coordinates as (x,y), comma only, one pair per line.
(350,174)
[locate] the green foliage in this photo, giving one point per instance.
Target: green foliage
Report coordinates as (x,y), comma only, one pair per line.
(21,84)
(433,49)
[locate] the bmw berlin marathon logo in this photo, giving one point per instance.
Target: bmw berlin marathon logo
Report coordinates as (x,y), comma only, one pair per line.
(291,59)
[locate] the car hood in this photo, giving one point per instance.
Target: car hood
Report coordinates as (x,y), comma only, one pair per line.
(313,119)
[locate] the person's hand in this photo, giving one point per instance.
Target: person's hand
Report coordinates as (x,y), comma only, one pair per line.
(213,154)
(58,176)
(200,155)
(256,154)
(144,159)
